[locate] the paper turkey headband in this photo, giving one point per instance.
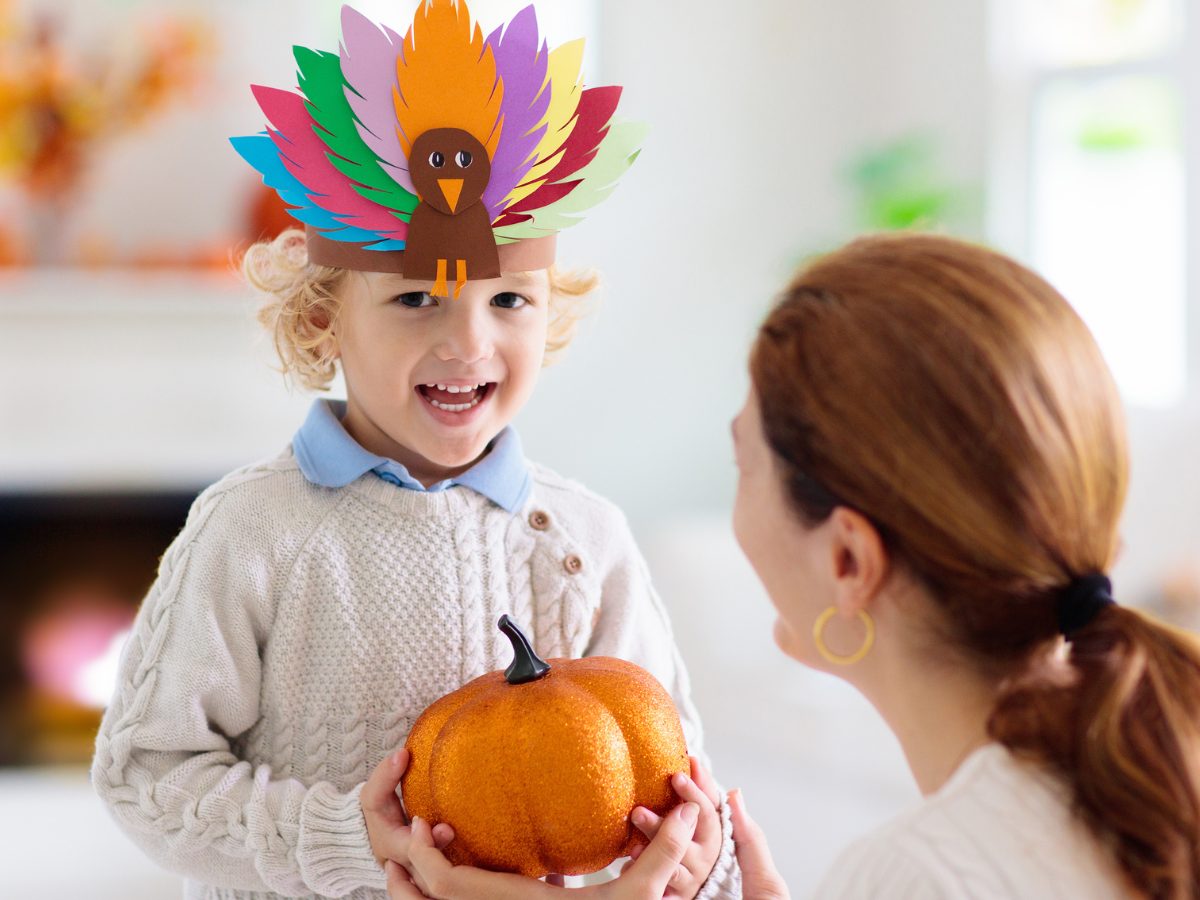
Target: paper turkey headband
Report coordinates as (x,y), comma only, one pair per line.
(441,156)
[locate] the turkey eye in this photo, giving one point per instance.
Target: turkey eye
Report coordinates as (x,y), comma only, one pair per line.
(463,158)
(436,159)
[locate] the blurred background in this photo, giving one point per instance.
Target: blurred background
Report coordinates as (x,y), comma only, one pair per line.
(132,374)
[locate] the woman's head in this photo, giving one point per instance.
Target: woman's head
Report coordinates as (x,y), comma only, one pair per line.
(940,411)
(395,344)
(955,400)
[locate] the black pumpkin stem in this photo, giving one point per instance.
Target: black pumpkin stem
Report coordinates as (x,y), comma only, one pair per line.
(526,665)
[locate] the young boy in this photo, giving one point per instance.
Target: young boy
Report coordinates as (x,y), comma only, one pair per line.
(317,602)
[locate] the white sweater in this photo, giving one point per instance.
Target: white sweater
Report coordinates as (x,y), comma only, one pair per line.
(999,829)
(295,633)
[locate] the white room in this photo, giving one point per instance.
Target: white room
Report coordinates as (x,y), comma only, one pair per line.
(133,372)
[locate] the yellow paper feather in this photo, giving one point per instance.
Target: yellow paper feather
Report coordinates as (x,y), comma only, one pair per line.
(566,85)
(447,77)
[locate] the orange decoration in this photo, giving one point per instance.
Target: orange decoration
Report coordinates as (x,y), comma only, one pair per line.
(538,768)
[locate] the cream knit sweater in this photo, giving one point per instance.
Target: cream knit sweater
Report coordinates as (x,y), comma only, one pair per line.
(295,633)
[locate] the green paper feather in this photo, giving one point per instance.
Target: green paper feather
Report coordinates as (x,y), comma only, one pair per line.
(618,150)
(324,89)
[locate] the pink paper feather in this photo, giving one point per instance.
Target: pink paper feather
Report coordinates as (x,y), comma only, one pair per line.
(304,155)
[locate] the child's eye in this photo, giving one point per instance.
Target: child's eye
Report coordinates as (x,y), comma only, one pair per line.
(509,300)
(415,299)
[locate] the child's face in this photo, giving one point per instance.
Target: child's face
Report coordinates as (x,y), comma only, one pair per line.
(395,341)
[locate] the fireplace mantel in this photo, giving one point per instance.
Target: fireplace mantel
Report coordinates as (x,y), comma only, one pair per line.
(128,380)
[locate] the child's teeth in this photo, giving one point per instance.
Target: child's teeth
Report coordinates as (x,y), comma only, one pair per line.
(455,389)
(455,407)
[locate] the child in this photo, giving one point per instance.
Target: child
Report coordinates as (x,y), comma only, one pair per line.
(315,603)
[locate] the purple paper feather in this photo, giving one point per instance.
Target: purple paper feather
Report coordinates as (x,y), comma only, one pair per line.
(369,66)
(522,68)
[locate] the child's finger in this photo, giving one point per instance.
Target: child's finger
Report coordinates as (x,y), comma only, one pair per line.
(646,821)
(704,781)
(658,866)
(441,879)
(427,862)
(443,834)
(379,793)
(708,829)
(399,884)
(422,835)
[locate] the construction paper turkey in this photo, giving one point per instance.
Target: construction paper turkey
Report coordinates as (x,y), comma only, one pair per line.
(441,155)
(538,767)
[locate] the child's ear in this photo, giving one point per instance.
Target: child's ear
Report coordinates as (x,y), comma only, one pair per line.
(322,320)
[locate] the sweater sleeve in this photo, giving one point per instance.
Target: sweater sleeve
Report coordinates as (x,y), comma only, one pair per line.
(633,624)
(165,763)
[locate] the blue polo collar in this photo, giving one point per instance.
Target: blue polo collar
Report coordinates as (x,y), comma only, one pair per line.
(330,457)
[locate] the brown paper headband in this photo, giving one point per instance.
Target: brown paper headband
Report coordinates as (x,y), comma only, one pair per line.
(526,255)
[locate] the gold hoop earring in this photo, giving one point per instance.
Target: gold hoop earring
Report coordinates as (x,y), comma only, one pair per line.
(829,655)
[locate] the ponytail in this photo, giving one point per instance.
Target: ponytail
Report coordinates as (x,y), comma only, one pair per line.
(1123,728)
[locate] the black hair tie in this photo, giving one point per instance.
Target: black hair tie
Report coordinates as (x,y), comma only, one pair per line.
(1082,600)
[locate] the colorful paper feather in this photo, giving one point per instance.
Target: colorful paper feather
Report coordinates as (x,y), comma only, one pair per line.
(522,67)
(446,77)
(368,62)
(303,155)
(338,152)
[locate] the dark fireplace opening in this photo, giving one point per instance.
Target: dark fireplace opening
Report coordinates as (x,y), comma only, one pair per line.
(74,568)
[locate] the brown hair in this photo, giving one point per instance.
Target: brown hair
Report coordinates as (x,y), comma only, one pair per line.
(954,398)
(302,303)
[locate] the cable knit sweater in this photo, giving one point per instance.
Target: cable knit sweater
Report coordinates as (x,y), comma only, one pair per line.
(1000,829)
(295,633)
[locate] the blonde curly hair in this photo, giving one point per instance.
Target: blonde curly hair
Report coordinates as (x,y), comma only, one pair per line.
(302,303)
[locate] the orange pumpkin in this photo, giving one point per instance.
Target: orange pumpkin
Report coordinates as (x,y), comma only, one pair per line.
(538,767)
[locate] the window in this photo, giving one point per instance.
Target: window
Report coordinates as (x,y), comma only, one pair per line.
(1089,182)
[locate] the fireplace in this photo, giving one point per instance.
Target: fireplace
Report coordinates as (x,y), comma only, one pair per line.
(73,570)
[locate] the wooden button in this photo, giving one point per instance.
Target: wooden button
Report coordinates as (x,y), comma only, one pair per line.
(539,520)
(573,564)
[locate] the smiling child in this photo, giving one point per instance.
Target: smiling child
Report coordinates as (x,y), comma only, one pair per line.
(317,602)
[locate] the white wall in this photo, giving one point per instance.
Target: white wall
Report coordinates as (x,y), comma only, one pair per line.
(754,113)
(754,110)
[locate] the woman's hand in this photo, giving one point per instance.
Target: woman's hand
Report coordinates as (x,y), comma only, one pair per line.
(705,846)
(387,826)
(646,878)
(760,879)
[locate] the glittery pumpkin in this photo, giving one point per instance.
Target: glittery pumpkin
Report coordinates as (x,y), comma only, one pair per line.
(541,776)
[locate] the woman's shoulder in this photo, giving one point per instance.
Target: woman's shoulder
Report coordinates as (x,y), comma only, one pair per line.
(1000,827)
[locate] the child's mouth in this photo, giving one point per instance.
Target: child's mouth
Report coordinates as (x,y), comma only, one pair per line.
(455,398)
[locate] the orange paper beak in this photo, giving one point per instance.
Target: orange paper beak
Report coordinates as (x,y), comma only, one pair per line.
(451,189)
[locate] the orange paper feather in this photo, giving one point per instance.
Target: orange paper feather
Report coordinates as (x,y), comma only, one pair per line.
(447,77)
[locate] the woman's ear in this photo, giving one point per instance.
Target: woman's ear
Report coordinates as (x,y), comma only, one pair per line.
(860,560)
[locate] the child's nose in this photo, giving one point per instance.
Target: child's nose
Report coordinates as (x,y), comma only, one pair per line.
(466,337)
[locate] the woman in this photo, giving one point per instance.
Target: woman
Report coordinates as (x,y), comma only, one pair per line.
(932,467)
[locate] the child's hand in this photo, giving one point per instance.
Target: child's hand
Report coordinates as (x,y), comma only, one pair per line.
(387,826)
(760,878)
(432,875)
(705,846)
